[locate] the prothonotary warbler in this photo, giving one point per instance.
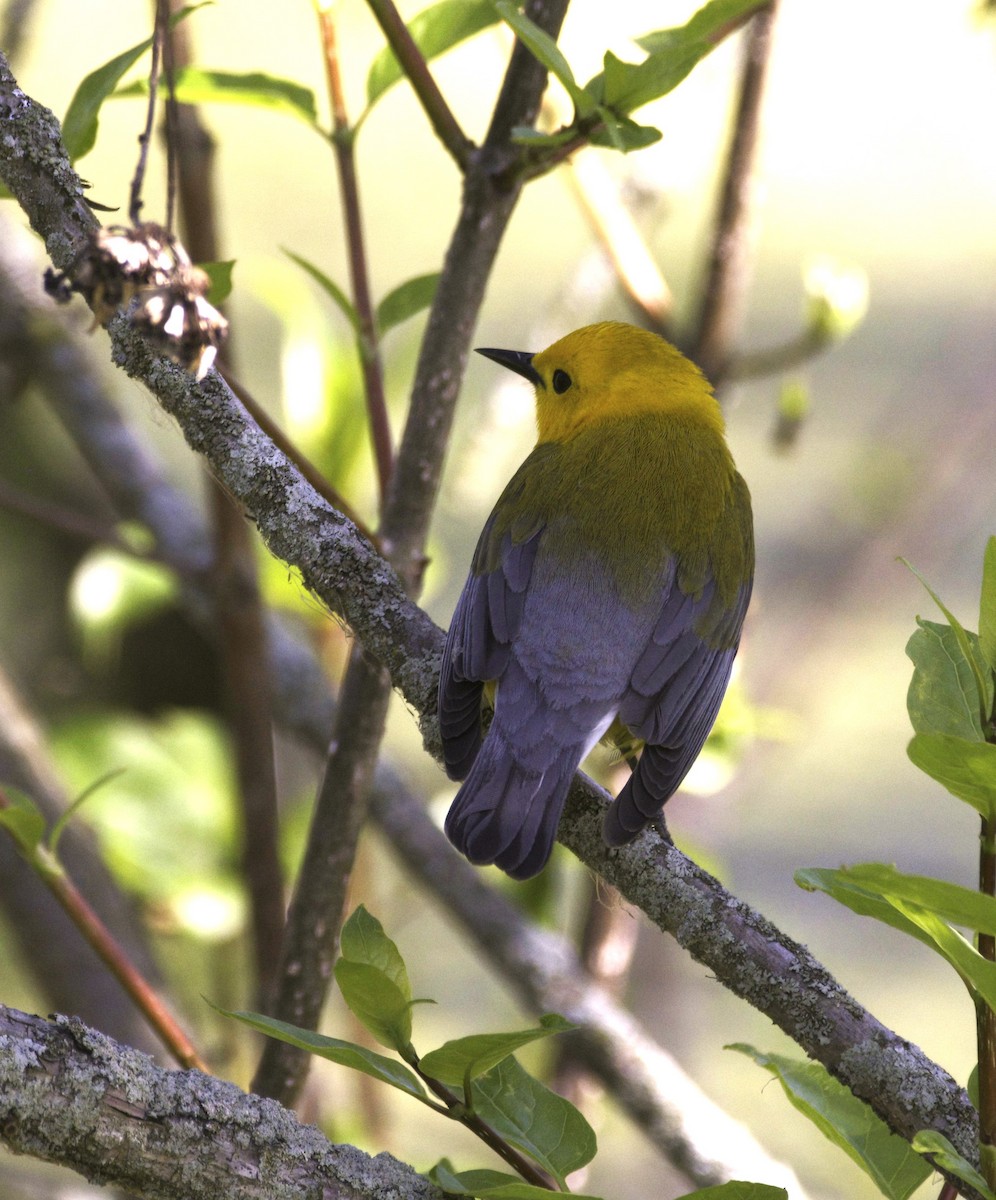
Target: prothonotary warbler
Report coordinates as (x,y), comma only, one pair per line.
(610,581)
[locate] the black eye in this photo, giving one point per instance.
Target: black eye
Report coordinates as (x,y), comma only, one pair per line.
(561,381)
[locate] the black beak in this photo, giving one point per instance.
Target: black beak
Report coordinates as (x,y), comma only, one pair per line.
(519,361)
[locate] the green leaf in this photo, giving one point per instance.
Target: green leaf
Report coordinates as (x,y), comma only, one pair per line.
(707,24)
(959,905)
(363,940)
(377,1002)
(737,1189)
(943,697)
(257,89)
(64,818)
(671,56)
(535,1120)
(627,86)
(947,1158)
(220,274)
(468,1057)
(966,769)
(79,128)
(434,30)
(542,47)
(622,134)
(359,1058)
(890,907)
(969,647)
(491,1185)
(847,1121)
(329,287)
(987,606)
(978,973)
(864,901)
(406,300)
(23,820)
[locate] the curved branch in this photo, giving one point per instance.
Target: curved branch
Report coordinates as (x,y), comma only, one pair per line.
(71,1096)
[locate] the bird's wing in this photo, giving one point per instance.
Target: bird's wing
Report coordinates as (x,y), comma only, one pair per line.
(487,619)
(675,692)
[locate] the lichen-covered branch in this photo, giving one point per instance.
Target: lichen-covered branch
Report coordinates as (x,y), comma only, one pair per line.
(69,1095)
(743,950)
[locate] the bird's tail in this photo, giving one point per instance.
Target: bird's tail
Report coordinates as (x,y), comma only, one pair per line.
(507,813)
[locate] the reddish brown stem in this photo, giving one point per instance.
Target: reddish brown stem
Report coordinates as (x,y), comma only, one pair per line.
(986,1018)
(370,364)
(110,951)
(529,1171)
(416,69)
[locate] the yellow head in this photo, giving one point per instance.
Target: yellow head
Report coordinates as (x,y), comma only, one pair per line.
(610,371)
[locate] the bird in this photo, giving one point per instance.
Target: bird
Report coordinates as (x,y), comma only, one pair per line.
(606,595)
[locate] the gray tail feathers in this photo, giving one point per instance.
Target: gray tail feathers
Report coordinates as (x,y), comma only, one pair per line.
(657,776)
(506,813)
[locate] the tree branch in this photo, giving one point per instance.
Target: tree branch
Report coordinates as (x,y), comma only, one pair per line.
(440,115)
(647,1084)
(66,968)
(744,951)
(728,262)
(311,938)
(71,1096)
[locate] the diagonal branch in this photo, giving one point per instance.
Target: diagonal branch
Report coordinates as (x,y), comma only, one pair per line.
(71,1096)
(413,64)
(745,951)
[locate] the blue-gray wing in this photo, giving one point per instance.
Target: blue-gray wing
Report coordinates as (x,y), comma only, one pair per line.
(486,622)
(674,695)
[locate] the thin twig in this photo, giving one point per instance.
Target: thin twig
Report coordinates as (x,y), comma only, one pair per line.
(238,605)
(455,1107)
(145,137)
(367,337)
(111,953)
(164,34)
(760,364)
(985,1016)
(726,279)
(413,64)
(70,976)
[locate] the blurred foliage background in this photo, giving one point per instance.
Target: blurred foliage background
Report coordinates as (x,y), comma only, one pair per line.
(878,152)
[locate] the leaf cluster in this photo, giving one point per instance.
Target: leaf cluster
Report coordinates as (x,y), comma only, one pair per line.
(950,704)
(475,1080)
